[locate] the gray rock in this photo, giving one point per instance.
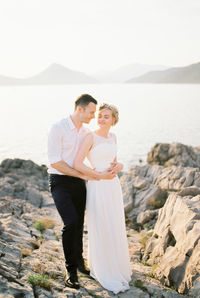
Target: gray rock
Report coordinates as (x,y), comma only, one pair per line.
(175,244)
(10,289)
(128,190)
(34,196)
(147,187)
(174,154)
(6,188)
(24,167)
(189,191)
(146,216)
(195,290)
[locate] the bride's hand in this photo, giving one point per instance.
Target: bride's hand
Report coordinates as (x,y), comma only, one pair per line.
(107,175)
(116,167)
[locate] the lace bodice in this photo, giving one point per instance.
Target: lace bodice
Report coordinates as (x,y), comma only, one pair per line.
(103,152)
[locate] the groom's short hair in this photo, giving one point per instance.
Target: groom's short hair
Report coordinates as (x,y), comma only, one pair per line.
(84,99)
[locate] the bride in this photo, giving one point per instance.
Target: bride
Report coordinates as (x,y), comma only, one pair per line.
(108,256)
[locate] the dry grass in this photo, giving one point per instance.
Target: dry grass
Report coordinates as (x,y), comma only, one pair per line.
(40,267)
(49,223)
(50,258)
(25,252)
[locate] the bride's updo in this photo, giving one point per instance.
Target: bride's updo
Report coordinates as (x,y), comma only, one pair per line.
(113,109)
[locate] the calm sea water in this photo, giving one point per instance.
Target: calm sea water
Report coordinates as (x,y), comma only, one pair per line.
(148,114)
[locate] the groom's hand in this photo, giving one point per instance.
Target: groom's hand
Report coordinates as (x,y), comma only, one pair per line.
(85,177)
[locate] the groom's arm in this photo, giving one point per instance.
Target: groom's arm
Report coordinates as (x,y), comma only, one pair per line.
(54,153)
(64,168)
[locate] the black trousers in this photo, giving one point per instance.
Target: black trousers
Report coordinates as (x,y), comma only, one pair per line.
(69,194)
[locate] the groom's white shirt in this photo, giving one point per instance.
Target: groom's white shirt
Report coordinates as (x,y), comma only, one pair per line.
(63,143)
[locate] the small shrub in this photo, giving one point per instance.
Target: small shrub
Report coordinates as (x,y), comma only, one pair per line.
(44,223)
(147,226)
(154,267)
(39,280)
(39,226)
(143,240)
(41,236)
(173,288)
(151,274)
(56,236)
(144,263)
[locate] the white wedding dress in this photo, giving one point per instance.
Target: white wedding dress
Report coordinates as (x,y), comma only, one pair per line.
(108,255)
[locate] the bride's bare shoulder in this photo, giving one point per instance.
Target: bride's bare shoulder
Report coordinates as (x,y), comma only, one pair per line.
(89,137)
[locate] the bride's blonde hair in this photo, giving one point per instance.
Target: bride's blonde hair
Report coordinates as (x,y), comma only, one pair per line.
(113,109)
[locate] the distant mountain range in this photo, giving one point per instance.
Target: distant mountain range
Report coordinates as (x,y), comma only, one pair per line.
(126,72)
(176,75)
(132,73)
(54,74)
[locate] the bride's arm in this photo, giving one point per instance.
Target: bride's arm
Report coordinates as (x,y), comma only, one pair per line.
(81,167)
(80,156)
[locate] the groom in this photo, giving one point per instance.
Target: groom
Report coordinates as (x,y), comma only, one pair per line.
(68,185)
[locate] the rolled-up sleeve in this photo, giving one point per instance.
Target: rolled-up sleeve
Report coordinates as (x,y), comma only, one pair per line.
(55,144)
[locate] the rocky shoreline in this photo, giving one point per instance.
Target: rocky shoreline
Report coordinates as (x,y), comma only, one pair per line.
(162,206)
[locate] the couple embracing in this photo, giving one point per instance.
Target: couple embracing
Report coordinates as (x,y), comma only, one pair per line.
(69,143)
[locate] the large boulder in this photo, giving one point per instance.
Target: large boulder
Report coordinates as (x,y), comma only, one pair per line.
(147,187)
(175,244)
(174,154)
(21,166)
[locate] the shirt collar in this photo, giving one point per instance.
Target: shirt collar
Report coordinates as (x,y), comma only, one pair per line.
(71,124)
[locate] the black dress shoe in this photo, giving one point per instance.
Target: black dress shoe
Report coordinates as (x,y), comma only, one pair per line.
(72,281)
(82,268)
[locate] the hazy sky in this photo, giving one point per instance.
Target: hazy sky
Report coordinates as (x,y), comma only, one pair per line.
(92,35)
